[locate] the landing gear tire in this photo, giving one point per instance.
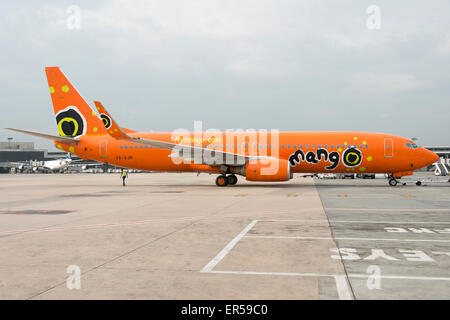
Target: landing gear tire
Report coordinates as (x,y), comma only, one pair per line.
(418,183)
(232,179)
(392,182)
(221,181)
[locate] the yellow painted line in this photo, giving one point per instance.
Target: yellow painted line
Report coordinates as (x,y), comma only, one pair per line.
(294,195)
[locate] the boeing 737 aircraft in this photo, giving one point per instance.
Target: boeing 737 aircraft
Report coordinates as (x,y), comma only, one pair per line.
(257,156)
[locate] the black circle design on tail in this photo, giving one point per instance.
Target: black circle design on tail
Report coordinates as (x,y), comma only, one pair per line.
(352,157)
(71,122)
(106,120)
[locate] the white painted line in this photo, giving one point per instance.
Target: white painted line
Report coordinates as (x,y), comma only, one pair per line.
(391,222)
(359,221)
(389,209)
(401,277)
(227,248)
(343,288)
(354,275)
(353,239)
(289,274)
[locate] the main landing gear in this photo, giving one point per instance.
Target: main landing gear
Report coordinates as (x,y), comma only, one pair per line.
(223,180)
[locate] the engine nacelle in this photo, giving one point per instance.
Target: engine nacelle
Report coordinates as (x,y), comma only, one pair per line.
(268,170)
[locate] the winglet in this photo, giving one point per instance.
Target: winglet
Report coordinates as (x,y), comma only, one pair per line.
(111,126)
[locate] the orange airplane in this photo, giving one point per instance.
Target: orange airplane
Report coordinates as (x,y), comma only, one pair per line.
(257,156)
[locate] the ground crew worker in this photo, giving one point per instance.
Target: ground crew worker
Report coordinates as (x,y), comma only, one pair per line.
(124,175)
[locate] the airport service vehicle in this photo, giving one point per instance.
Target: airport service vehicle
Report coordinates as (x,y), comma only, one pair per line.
(258,156)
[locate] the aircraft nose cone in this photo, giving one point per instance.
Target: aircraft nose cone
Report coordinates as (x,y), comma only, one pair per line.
(430,157)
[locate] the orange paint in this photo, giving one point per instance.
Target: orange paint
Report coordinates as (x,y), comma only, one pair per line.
(285,153)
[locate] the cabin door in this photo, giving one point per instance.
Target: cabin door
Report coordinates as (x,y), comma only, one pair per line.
(103,148)
(388,148)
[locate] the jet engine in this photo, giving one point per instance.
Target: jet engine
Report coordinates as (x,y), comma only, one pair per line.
(266,170)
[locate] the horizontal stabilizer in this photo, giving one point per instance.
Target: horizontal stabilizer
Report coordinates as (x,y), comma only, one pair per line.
(46,136)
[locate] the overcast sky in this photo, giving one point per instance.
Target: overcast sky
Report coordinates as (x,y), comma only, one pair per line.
(289,65)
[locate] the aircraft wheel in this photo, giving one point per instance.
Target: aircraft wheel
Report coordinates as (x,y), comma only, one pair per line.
(221,181)
(232,179)
(418,183)
(392,182)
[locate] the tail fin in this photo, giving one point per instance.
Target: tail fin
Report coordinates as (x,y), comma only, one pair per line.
(114,130)
(74,117)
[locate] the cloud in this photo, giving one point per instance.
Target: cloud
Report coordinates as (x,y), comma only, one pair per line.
(292,65)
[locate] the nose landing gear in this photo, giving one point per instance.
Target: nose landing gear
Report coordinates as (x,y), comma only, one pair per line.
(393,181)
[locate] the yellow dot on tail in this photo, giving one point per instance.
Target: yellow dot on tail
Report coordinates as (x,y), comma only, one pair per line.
(52,90)
(345,143)
(95,129)
(71,149)
(111,131)
(355,138)
(115,130)
(369,158)
(364,142)
(98,108)
(339,149)
(59,146)
(65,89)
(93,113)
(362,169)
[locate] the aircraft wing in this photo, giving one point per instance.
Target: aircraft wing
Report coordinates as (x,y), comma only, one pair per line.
(46,136)
(188,153)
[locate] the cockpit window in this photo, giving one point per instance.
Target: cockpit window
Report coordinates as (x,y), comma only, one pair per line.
(412,145)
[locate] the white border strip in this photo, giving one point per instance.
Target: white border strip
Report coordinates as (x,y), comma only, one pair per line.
(227,248)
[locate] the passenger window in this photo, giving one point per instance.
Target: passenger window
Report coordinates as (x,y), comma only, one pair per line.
(282,147)
(289,146)
(331,146)
(313,146)
(121,147)
(306,146)
(319,146)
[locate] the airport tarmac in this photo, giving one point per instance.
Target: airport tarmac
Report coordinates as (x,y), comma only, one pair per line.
(178,236)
